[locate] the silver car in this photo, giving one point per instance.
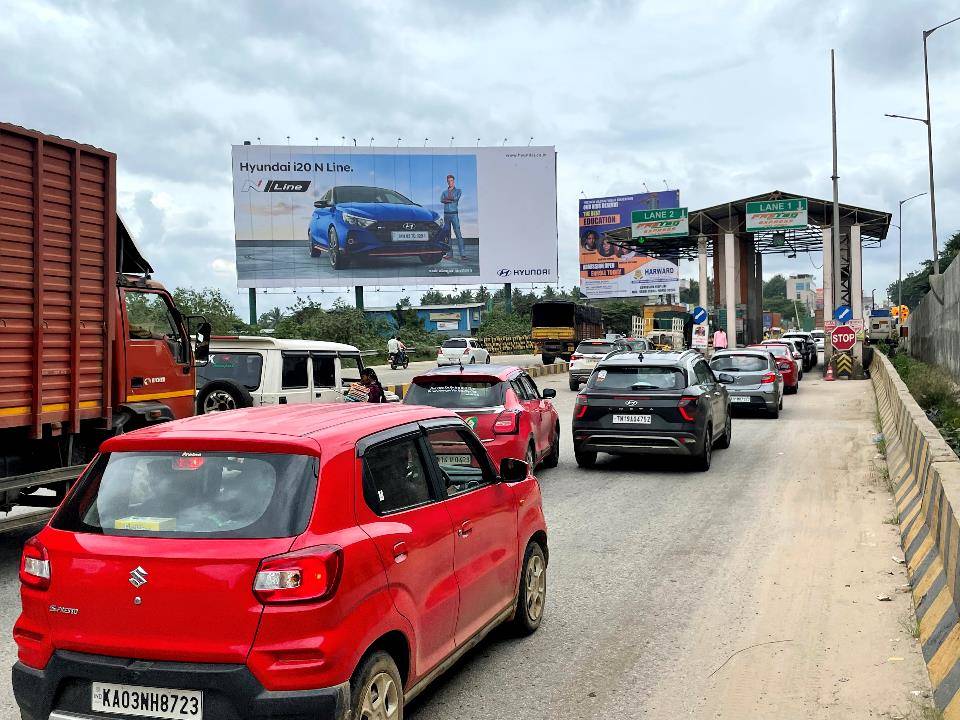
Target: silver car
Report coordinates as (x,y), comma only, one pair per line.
(757,383)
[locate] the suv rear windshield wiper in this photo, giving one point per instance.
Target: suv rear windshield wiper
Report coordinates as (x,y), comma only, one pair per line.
(645,386)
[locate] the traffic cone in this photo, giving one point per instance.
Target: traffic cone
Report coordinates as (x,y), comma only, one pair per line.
(829,375)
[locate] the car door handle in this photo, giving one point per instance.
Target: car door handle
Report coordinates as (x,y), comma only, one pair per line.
(465,529)
(400,552)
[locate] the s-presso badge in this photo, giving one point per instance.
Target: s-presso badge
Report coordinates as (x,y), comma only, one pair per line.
(138,577)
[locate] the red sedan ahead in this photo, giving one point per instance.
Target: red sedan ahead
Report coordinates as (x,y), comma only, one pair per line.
(783,353)
(503,406)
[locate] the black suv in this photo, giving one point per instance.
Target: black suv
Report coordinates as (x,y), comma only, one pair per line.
(662,403)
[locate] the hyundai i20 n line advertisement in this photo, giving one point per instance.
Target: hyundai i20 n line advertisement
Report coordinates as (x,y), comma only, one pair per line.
(314,217)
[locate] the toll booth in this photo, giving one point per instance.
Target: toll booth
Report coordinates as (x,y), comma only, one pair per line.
(734,237)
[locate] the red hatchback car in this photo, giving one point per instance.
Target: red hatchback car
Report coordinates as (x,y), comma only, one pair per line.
(783,354)
(502,404)
(321,561)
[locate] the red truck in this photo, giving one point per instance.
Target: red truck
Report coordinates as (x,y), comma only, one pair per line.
(90,346)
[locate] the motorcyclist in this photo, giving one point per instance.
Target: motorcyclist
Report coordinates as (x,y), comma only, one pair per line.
(396,350)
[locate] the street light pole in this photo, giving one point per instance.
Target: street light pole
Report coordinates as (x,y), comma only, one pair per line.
(926,121)
(900,250)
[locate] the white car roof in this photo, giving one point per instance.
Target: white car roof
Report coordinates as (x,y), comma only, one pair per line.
(255,342)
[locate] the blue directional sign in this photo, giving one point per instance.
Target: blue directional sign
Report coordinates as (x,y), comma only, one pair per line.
(699,315)
(843,313)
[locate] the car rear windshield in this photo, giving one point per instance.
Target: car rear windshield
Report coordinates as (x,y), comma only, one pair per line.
(193,495)
(778,350)
(739,363)
(456,394)
(646,377)
(587,348)
(242,368)
(454,343)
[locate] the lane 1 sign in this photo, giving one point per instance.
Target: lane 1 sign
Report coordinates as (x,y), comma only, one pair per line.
(699,315)
(843,338)
(663,222)
(788,214)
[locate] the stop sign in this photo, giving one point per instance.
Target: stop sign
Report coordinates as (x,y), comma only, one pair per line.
(843,337)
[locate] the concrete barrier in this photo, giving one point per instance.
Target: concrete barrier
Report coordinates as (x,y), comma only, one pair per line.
(925,473)
(557,368)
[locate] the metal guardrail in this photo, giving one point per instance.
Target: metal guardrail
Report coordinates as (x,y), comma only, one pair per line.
(44,477)
(16,522)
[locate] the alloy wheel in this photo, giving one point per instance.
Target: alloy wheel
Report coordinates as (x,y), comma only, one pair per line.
(535,587)
(219,401)
(381,699)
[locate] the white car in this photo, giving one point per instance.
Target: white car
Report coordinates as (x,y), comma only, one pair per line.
(819,337)
(586,357)
(462,351)
(248,371)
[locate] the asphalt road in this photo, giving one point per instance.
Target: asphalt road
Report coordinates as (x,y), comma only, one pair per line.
(745,592)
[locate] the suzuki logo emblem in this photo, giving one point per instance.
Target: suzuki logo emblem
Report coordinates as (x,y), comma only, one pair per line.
(138,577)
(409,226)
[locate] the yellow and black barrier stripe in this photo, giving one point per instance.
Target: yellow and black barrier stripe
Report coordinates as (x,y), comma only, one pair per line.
(533,370)
(925,474)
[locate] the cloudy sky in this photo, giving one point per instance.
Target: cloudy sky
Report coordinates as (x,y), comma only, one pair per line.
(723,102)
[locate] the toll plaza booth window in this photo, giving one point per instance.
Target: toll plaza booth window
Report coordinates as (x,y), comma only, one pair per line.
(242,368)
(150,318)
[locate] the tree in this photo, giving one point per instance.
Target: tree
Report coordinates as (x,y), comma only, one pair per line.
(775,287)
(271,318)
(917,283)
(691,295)
(209,302)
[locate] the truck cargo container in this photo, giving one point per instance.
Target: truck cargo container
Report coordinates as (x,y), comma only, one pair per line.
(90,346)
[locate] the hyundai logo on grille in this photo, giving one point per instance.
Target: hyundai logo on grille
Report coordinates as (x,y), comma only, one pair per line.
(409,226)
(138,577)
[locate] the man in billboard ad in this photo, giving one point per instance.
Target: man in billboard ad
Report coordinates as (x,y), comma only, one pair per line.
(608,269)
(314,217)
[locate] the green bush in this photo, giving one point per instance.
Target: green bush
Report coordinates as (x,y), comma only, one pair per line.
(497,323)
(932,387)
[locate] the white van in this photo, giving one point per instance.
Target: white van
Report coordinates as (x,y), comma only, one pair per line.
(246,371)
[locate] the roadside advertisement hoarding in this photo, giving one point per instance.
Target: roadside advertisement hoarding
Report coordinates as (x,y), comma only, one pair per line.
(610,270)
(309,216)
(787,214)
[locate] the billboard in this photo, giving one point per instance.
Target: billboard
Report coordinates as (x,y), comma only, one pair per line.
(339,216)
(608,270)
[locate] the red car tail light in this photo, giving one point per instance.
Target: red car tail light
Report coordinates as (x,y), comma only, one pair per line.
(302,576)
(768,378)
(35,565)
(580,409)
(507,423)
(575,357)
(687,403)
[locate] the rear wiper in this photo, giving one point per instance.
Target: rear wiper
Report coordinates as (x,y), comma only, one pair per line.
(644,386)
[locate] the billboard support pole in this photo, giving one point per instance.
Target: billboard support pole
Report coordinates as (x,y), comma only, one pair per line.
(358,295)
(702,258)
(508,297)
(252,295)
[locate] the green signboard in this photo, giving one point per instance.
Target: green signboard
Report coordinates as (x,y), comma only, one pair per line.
(663,222)
(786,214)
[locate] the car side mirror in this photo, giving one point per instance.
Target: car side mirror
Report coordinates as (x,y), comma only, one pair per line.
(320,204)
(548,393)
(513,470)
(726,378)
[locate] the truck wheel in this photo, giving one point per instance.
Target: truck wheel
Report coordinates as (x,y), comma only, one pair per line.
(548,359)
(222,395)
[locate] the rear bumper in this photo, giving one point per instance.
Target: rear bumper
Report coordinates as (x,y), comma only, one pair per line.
(580,373)
(636,442)
(230,692)
(758,399)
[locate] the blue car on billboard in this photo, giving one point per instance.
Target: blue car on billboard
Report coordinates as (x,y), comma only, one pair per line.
(352,222)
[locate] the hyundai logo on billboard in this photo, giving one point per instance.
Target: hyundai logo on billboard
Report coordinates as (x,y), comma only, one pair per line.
(523,272)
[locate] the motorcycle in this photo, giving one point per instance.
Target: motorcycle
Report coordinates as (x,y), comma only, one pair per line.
(399,359)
